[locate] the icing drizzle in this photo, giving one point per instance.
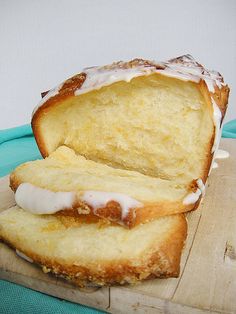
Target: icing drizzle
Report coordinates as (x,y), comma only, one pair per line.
(193,197)
(100,199)
(221,154)
(42,201)
(184,67)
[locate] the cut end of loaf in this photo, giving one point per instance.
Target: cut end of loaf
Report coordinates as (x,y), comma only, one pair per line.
(135,126)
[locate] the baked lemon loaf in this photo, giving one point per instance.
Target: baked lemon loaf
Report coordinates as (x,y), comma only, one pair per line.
(144,134)
(88,252)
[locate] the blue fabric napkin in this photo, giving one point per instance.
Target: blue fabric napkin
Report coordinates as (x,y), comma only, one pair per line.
(229,129)
(15,299)
(17,145)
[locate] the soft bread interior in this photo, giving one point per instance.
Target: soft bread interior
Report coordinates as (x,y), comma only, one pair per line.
(63,170)
(103,250)
(156,125)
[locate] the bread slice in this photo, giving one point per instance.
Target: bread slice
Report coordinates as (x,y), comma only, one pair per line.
(89,252)
(144,133)
(65,171)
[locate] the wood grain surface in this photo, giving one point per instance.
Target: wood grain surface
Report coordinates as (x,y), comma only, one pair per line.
(207,283)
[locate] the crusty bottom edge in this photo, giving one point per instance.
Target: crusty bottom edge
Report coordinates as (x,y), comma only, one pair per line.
(84,277)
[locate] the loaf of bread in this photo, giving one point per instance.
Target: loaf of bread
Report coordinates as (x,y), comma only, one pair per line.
(128,148)
(89,252)
(144,134)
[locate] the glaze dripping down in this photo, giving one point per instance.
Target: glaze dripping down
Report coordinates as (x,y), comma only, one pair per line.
(42,201)
(193,197)
(98,200)
(221,154)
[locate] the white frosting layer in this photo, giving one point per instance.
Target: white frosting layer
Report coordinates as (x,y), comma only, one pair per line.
(184,68)
(201,186)
(193,197)
(25,257)
(221,154)
(97,77)
(42,201)
(217,116)
(218,154)
(98,199)
(189,70)
(50,94)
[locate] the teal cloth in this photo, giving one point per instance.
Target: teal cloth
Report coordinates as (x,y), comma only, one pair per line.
(17,145)
(229,129)
(17,299)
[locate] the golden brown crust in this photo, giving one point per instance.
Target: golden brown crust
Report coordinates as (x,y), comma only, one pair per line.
(14,182)
(67,90)
(221,98)
(159,263)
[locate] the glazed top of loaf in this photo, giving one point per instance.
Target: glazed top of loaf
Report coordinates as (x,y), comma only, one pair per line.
(183,67)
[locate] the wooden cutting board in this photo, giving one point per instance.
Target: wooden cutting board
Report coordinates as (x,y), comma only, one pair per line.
(207,283)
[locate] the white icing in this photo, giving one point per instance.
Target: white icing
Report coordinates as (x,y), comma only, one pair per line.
(98,199)
(98,77)
(42,201)
(184,68)
(193,197)
(51,93)
(210,84)
(25,257)
(194,72)
(185,76)
(217,116)
(201,186)
(215,165)
(221,154)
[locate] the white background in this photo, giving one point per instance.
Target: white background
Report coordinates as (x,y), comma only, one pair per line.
(44,42)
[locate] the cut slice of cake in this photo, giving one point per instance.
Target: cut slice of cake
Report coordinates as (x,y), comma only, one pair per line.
(89,252)
(69,184)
